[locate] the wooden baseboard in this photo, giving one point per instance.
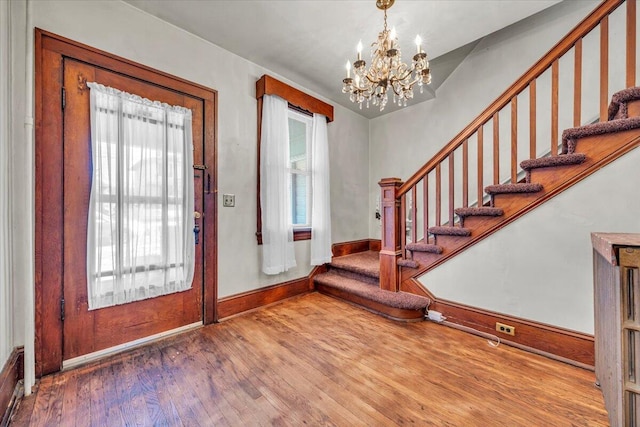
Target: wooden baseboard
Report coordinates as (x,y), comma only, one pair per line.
(346,248)
(551,341)
(12,372)
(236,304)
(239,303)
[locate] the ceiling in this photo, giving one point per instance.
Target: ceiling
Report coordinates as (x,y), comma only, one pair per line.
(309,41)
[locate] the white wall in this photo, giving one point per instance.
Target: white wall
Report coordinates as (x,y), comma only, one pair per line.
(123,30)
(539,267)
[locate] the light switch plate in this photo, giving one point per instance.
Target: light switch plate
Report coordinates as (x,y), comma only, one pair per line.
(228,200)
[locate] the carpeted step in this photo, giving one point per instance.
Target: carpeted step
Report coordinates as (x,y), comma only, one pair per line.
(619,102)
(552,161)
(570,136)
(409,263)
(365,263)
(477,211)
(492,190)
(401,300)
(448,231)
(424,247)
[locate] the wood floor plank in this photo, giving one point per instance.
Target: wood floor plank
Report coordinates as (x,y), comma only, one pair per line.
(314,360)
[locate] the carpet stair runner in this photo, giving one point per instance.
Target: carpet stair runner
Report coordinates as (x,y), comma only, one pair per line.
(623,115)
(355,278)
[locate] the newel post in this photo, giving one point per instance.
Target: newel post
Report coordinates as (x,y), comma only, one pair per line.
(390,247)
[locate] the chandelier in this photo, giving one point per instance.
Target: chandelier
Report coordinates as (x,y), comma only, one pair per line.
(387,71)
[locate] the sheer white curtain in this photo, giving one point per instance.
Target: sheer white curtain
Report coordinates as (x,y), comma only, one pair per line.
(140,240)
(275,187)
(321,196)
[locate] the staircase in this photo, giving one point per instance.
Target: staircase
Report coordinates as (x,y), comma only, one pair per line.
(355,278)
(584,150)
(432,216)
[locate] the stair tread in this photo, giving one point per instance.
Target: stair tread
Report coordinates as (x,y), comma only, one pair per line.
(450,231)
(561,160)
(569,136)
(479,211)
(424,247)
(401,300)
(366,263)
(409,263)
(618,105)
(513,188)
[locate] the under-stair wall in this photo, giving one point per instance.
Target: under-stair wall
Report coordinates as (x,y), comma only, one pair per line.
(497,61)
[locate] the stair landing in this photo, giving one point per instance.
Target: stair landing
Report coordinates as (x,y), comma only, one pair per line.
(354,278)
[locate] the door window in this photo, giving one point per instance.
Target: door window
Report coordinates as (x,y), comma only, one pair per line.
(140,241)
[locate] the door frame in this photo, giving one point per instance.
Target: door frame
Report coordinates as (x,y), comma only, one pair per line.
(50,51)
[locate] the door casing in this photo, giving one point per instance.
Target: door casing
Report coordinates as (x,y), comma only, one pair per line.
(50,51)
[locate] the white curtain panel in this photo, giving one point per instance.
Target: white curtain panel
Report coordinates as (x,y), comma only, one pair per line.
(140,241)
(321,195)
(275,186)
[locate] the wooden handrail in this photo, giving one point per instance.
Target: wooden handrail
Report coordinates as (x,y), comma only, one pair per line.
(562,47)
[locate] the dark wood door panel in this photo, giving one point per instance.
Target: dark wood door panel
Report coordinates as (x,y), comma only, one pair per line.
(61,217)
(89,331)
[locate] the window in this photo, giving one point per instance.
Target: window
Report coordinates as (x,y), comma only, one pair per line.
(298,102)
(300,126)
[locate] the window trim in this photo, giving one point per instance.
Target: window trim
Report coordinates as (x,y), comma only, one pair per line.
(300,102)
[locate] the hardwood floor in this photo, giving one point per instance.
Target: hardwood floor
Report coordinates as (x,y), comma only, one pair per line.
(314,360)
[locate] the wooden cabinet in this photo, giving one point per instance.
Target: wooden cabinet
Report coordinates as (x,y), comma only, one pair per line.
(616,259)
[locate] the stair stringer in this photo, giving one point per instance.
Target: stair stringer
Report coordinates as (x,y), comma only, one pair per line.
(600,151)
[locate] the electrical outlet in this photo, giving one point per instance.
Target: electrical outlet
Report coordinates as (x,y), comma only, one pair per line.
(228,200)
(505,329)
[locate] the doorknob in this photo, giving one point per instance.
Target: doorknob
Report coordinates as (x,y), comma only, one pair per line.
(196,227)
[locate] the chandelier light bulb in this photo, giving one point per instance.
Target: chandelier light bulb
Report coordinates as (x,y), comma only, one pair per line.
(393,34)
(348,69)
(418,43)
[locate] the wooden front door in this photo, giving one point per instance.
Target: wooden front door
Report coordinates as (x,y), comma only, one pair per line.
(65,328)
(89,331)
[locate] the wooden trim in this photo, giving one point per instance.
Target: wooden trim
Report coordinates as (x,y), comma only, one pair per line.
(532,120)
(49,51)
(577,85)
(631,44)
(438,195)
(251,300)
(299,100)
(480,155)
(465,173)
(452,201)
(268,85)
(555,71)
(496,148)
(563,46)
(11,373)
(514,140)
(551,341)
(604,69)
(391,233)
(355,246)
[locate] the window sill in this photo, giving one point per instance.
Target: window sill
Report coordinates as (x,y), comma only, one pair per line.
(299,234)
